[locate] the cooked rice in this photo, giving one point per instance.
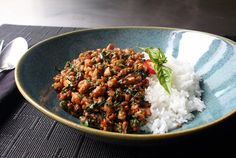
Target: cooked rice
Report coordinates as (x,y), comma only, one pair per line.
(171,111)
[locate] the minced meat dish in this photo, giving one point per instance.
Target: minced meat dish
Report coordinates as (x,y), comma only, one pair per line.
(105,89)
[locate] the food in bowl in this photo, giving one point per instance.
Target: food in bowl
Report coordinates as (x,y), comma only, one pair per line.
(124,91)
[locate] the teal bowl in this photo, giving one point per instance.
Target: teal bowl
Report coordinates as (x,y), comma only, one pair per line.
(213,58)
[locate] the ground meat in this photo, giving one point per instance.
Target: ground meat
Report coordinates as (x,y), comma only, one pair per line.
(105,89)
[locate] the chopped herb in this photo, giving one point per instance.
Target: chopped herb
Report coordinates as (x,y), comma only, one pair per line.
(129,91)
(80,96)
(121,63)
(78,75)
(134,122)
(125,56)
(118,127)
(117,93)
(113,72)
(141,72)
(102,55)
(68,64)
(89,81)
(135,94)
(120,81)
(85,123)
(116,103)
(108,53)
(100,104)
(95,106)
(63,104)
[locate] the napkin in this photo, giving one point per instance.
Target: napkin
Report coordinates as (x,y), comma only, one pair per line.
(10,97)
(7,84)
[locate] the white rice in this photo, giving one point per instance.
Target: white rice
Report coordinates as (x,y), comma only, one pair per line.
(171,111)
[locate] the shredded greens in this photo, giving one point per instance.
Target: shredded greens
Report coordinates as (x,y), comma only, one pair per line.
(163,73)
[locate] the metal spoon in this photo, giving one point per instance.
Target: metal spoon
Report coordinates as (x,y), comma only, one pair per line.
(1,44)
(11,53)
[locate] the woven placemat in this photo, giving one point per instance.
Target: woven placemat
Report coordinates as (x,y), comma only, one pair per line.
(25,132)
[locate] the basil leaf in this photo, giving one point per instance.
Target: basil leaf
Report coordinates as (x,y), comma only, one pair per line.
(156,55)
(164,74)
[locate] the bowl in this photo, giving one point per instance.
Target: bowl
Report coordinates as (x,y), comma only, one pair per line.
(213,58)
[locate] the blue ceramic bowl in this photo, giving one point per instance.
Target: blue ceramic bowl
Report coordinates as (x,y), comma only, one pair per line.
(213,58)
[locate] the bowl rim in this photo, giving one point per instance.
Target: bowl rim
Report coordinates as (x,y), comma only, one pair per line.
(108,134)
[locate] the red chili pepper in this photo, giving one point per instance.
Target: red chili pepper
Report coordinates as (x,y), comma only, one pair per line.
(148,63)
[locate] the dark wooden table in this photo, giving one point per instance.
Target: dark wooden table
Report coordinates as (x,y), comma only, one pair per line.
(214,16)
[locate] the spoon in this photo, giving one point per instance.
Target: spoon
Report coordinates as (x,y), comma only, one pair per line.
(11,53)
(1,44)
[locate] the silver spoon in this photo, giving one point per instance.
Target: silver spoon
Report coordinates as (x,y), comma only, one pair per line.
(1,44)
(12,52)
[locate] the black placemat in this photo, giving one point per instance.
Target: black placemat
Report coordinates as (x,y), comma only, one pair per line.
(25,132)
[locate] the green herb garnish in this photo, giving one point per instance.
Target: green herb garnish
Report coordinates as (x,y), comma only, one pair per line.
(85,123)
(163,73)
(103,55)
(93,106)
(117,93)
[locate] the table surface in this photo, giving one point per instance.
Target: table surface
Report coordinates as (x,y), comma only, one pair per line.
(214,16)
(25,132)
